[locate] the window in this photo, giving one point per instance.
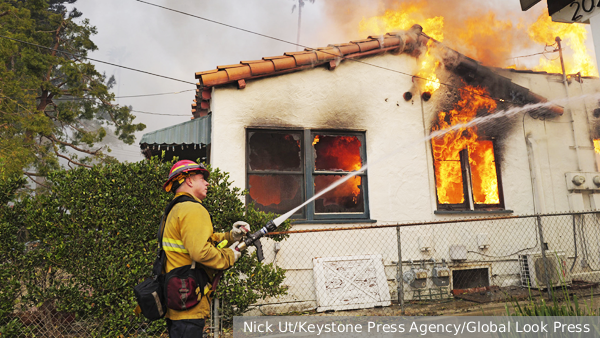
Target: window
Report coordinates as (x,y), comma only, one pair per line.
(287,167)
(466,174)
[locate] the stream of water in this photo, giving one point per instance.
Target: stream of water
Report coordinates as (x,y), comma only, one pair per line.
(478,120)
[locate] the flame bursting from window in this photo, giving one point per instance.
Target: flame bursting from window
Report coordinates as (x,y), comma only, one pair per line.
(447,149)
(597,146)
(339,154)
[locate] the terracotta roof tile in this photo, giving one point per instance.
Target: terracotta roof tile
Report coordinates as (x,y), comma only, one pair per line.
(260,67)
(304,58)
(367,44)
(213,79)
(237,73)
(282,62)
(327,53)
(390,41)
(206,94)
(230,66)
(347,48)
(198,74)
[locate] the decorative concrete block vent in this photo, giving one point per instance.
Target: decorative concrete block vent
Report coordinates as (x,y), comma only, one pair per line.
(350,282)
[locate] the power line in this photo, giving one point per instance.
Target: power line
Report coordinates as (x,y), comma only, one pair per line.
(95,60)
(310,48)
(157,94)
(126,96)
(137,111)
(145,112)
(540,53)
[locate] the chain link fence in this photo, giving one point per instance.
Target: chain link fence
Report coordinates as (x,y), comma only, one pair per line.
(481,260)
(382,269)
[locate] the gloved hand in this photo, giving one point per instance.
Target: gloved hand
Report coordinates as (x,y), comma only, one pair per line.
(239,229)
(236,254)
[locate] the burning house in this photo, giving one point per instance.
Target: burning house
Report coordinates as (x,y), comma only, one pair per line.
(286,127)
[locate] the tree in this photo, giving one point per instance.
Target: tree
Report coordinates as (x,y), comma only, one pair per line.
(69,258)
(54,104)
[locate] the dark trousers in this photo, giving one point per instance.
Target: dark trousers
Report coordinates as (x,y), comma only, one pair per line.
(185,328)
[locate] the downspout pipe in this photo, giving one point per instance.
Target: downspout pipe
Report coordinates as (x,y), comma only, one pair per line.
(538,192)
(568,106)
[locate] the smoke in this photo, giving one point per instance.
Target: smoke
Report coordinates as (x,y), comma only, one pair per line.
(488,31)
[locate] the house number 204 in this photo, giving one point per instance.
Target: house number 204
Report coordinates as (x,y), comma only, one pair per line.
(585,5)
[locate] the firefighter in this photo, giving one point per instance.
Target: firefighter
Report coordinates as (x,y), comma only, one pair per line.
(188,236)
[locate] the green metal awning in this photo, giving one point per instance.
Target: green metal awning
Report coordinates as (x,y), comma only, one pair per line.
(196,131)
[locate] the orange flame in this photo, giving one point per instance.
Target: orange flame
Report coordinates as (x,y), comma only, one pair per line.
(489,38)
(427,72)
(337,153)
(486,39)
(405,17)
(447,148)
(573,36)
(597,146)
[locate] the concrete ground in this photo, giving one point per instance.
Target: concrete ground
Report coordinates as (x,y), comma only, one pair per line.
(460,307)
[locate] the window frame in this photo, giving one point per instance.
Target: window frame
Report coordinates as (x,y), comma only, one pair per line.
(309,173)
(467,181)
(310,183)
(302,172)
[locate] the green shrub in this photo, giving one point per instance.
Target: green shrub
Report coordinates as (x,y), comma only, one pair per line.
(92,238)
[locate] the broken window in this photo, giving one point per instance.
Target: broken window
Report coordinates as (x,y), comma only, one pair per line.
(335,154)
(285,168)
(275,170)
(467,178)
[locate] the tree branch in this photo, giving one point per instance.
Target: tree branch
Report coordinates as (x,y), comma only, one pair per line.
(77,129)
(4,13)
(36,182)
(54,139)
(70,160)
(56,45)
(58,86)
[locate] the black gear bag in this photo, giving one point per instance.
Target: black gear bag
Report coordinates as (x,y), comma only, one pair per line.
(150,294)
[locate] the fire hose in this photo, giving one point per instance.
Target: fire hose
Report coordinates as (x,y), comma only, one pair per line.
(253,239)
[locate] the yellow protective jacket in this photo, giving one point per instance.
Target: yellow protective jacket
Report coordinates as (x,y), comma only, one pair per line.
(188,236)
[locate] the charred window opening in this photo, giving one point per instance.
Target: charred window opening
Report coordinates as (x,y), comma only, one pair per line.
(335,154)
(285,168)
(275,151)
(275,170)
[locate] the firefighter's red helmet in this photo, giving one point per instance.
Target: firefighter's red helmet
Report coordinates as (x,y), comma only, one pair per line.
(179,169)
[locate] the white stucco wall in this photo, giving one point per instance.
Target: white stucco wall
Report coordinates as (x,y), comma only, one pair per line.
(401,184)
(354,96)
(556,154)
